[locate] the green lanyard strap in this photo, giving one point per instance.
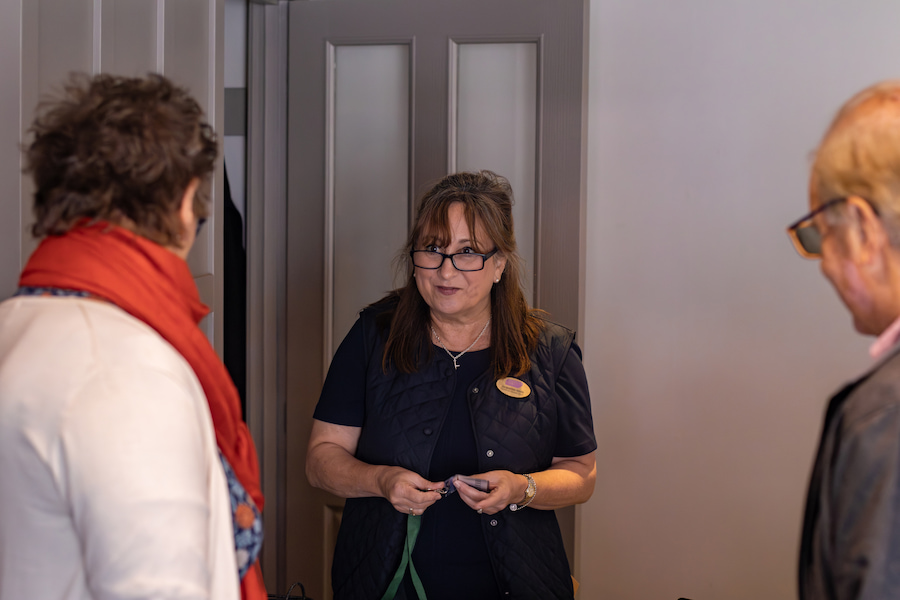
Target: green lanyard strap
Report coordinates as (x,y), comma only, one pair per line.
(413,524)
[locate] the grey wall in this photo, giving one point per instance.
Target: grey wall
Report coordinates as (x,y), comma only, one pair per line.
(711,347)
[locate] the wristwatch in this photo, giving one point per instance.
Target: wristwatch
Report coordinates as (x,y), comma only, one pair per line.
(530,491)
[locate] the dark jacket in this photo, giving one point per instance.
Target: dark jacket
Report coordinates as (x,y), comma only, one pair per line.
(850,547)
(404,416)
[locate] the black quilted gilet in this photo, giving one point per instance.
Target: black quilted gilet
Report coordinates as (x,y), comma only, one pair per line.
(404,415)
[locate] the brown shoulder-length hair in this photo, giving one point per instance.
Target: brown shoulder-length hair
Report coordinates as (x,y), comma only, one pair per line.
(119,149)
(486,199)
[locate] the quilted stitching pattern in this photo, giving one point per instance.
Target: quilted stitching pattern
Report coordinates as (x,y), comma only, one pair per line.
(407,411)
(371,535)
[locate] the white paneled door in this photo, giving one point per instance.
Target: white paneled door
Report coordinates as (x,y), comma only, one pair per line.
(384,98)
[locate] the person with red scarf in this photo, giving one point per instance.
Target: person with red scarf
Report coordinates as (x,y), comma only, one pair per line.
(127,470)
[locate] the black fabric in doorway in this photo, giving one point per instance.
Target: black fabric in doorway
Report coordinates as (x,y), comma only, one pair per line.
(235,290)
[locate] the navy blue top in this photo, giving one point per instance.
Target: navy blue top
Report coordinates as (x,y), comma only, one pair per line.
(450,548)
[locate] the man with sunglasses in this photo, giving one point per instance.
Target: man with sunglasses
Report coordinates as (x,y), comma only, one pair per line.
(850,545)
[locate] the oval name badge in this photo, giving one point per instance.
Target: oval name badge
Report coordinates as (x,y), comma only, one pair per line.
(514,388)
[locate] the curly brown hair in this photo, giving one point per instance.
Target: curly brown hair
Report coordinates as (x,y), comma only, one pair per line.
(487,199)
(119,149)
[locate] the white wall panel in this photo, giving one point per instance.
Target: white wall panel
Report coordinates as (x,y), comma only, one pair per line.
(66,41)
(129,36)
(188,46)
(370,176)
(496,127)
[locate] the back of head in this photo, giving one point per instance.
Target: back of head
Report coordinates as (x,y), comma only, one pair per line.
(122,150)
(860,154)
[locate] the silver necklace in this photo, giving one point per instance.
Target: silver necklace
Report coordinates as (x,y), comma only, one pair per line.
(450,354)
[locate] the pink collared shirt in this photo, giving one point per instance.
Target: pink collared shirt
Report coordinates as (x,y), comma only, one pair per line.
(887,340)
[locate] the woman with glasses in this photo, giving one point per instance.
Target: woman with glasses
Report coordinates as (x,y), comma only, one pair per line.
(454,419)
(126,468)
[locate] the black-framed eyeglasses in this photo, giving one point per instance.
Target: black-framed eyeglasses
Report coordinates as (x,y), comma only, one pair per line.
(461,261)
(805,234)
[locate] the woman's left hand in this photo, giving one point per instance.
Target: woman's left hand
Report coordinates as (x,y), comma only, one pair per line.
(568,481)
(505,488)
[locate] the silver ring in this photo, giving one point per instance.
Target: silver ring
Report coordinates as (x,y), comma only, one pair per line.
(479,511)
(411,511)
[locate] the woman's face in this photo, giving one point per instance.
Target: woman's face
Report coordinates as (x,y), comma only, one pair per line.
(461,296)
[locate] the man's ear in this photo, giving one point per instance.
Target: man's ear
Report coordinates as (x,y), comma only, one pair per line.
(872,236)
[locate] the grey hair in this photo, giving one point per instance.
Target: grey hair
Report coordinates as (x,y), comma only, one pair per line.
(860,156)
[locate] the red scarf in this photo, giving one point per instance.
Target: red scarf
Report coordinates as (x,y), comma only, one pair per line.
(154,285)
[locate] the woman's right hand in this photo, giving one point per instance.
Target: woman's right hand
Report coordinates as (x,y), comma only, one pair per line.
(408,491)
(332,466)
